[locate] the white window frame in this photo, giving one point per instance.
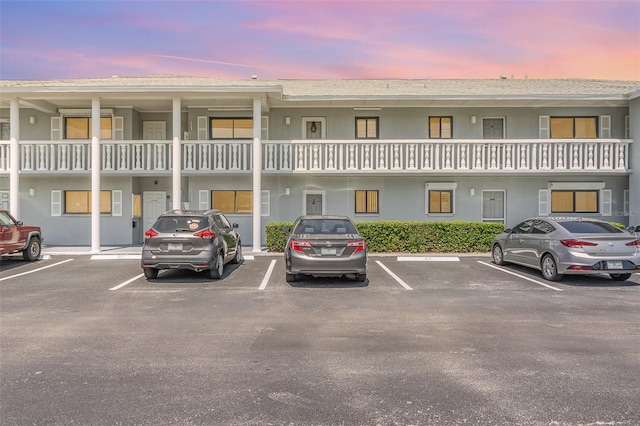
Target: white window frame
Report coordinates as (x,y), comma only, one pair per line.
(605,196)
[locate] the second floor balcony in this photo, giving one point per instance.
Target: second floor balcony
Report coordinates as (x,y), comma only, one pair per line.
(493,156)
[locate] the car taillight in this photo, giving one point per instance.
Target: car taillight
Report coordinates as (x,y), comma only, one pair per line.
(358,244)
(577,243)
(150,233)
(207,234)
(634,243)
(299,245)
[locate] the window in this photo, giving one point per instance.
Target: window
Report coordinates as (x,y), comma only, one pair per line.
(573,127)
(574,201)
(136,205)
(233,201)
(5,135)
(80,128)
(231,128)
(440,127)
(367,128)
(440,201)
(367,201)
(79,202)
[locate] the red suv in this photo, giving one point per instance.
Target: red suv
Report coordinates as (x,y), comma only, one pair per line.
(16,237)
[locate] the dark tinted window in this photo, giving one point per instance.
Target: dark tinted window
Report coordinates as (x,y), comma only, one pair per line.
(325,226)
(590,227)
(181,223)
(523,228)
(542,227)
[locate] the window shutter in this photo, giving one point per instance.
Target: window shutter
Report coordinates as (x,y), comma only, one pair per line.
(203,200)
(202,128)
(118,128)
(627,132)
(606,202)
(56,202)
(264,134)
(605,127)
(626,201)
(56,128)
(265,201)
(545,131)
(543,202)
(116,202)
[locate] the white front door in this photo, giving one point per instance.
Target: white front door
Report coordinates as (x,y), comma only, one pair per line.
(154,130)
(154,203)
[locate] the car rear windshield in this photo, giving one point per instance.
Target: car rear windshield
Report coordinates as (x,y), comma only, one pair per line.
(325,226)
(590,227)
(181,224)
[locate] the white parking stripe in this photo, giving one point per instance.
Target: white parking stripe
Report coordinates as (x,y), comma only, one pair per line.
(127,282)
(428,259)
(265,280)
(520,276)
(116,257)
(36,270)
(394,276)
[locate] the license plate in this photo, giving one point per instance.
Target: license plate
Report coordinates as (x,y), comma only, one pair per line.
(614,265)
(328,251)
(175,247)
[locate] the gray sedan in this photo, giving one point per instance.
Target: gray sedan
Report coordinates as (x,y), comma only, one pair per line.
(324,246)
(558,246)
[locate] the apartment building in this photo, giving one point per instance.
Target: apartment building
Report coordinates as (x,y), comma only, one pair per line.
(95,161)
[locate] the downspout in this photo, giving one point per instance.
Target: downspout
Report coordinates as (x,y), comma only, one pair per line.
(177,155)
(257,174)
(14,165)
(95,175)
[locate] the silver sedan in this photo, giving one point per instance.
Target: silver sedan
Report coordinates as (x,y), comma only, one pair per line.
(558,246)
(324,246)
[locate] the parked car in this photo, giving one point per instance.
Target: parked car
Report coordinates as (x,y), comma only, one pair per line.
(16,237)
(558,246)
(324,246)
(191,239)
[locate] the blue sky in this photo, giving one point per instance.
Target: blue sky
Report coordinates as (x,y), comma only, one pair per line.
(320,39)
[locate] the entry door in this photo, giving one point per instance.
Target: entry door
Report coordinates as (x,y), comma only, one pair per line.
(493,128)
(313,204)
(4,200)
(154,130)
(493,206)
(153,205)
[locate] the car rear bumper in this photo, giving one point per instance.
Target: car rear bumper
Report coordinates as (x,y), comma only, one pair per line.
(299,263)
(167,261)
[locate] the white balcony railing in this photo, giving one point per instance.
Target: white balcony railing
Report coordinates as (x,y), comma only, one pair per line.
(343,156)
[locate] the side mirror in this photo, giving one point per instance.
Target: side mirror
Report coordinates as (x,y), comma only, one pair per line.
(508,230)
(235,226)
(19,223)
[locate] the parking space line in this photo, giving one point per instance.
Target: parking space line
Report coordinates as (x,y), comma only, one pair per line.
(116,257)
(265,280)
(36,270)
(394,276)
(520,276)
(119,286)
(428,259)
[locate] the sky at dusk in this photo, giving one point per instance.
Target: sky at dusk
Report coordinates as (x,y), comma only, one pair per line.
(320,39)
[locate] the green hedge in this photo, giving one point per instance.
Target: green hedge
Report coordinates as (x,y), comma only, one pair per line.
(392,236)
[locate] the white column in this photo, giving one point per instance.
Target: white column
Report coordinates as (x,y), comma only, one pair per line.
(14,164)
(177,155)
(95,175)
(257,174)
(634,162)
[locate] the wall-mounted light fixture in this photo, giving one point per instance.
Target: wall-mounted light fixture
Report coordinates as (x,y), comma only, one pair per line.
(32,192)
(287,191)
(287,120)
(473,119)
(32,119)
(472,192)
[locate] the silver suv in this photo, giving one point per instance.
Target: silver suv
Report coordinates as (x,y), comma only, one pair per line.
(191,239)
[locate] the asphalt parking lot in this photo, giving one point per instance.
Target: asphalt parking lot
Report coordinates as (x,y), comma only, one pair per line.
(425,340)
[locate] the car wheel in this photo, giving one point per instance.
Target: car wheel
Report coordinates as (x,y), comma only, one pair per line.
(549,268)
(620,277)
(238,257)
(150,273)
(291,277)
(361,277)
(498,256)
(216,272)
(32,251)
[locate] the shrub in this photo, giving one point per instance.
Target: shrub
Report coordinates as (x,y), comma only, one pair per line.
(387,236)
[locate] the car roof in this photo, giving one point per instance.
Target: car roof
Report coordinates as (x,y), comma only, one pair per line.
(179,212)
(323,217)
